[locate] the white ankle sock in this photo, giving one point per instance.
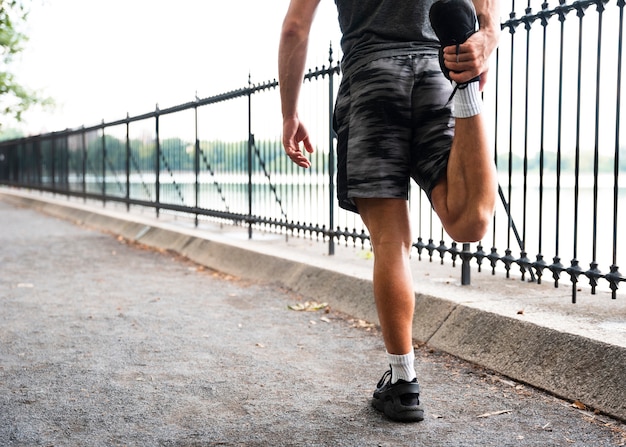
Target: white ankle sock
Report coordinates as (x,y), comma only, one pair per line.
(402,366)
(467,101)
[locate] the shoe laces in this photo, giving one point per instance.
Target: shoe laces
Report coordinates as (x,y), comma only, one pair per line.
(386,375)
(457,86)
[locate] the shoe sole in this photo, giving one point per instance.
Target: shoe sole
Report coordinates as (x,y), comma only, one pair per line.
(404,415)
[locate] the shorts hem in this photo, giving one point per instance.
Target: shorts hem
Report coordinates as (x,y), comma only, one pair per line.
(347,203)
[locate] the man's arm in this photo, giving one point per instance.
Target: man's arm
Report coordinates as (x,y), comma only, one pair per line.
(292,53)
(474,54)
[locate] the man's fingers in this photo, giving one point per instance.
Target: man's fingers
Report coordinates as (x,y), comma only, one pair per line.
(465,65)
(307,145)
(295,133)
(295,154)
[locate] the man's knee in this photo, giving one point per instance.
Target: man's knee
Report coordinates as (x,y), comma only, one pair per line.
(470,229)
(387,220)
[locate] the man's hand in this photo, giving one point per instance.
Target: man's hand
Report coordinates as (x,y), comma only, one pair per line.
(294,133)
(472,58)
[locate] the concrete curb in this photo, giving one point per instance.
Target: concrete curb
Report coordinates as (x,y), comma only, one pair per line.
(567,365)
(570,366)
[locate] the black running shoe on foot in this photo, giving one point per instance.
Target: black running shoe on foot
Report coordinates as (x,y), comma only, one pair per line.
(399,401)
(453,21)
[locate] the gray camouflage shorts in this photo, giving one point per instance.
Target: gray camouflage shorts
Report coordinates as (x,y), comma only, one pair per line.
(393,122)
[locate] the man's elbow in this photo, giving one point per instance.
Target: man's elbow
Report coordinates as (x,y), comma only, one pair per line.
(293,30)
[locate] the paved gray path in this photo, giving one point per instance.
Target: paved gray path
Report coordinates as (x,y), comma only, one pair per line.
(107,343)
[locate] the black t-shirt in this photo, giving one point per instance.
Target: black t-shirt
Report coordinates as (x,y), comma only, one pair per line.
(378,28)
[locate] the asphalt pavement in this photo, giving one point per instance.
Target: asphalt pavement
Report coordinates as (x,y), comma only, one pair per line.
(107,341)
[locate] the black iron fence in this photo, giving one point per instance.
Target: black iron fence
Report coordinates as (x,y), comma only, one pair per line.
(554,108)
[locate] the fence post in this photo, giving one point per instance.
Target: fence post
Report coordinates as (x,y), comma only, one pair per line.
(104,164)
(39,157)
(157,166)
(331,155)
(66,162)
(84,164)
(127,161)
(53,156)
(466,257)
(196,161)
(250,138)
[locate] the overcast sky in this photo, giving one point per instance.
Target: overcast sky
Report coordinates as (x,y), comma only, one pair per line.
(101,59)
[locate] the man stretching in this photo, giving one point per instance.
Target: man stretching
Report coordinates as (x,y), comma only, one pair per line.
(408,107)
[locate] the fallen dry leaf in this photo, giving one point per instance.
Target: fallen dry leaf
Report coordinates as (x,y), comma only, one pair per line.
(578,404)
(494,413)
(366,254)
(362,324)
(308,306)
(506,382)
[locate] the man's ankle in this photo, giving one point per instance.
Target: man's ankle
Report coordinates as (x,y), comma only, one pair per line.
(402,366)
(467,101)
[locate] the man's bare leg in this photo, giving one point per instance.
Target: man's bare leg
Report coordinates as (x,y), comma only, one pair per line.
(465,199)
(398,392)
(390,231)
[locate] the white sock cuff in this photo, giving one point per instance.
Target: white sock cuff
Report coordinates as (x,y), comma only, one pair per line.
(402,366)
(467,101)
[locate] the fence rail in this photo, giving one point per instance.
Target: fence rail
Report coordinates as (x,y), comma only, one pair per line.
(554,108)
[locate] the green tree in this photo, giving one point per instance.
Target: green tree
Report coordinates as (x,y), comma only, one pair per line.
(15,98)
